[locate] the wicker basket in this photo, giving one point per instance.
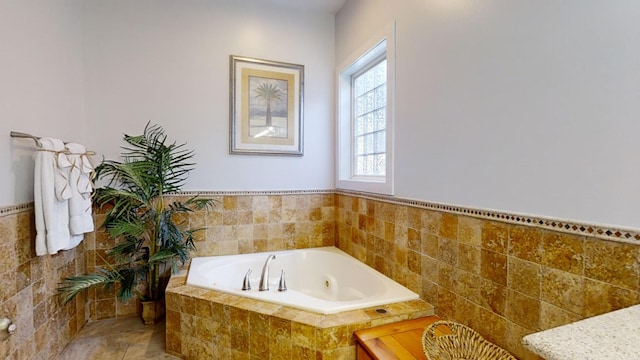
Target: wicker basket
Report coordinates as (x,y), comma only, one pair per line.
(448,340)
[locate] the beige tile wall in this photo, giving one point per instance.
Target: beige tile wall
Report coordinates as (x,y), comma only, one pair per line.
(503,280)
(28,286)
(204,324)
(238,224)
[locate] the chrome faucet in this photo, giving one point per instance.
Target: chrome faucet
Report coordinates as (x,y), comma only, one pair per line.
(246,284)
(264,278)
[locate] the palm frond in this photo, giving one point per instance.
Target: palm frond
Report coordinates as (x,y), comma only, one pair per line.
(122,252)
(199,203)
(72,286)
(148,238)
(118,226)
(162,256)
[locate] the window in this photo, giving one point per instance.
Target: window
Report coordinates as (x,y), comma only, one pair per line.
(368,112)
(365,118)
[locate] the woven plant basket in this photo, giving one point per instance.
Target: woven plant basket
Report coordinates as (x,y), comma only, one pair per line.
(448,340)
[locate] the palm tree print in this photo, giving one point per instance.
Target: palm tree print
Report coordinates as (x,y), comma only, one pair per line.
(268,94)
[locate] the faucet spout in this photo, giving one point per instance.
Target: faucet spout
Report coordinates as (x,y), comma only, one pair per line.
(264,278)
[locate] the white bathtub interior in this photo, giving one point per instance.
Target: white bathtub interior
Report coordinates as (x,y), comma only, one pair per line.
(324,280)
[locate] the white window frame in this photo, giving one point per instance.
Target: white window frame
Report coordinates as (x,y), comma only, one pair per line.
(383,44)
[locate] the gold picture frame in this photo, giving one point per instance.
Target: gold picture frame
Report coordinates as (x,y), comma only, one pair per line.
(266,107)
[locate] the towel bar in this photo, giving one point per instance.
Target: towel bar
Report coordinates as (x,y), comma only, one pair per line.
(17,134)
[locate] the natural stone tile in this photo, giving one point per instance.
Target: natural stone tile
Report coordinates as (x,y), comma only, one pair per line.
(446,276)
(259,345)
(239,339)
(467,312)
(105,309)
(431,221)
(493,296)
(230,203)
(430,244)
(601,297)
(188,305)
(469,258)
(303,335)
(414,239)
(525,242)
(563,289)
(612,262)
(302,353)
(513,341)
(334,337)
(279,328)
(493,266)
(470,230)
(446,305)
(563,251)
(448,227)
(448,251)
(524,276)
(430,268)
(414,218)
(468,285)
(205,329)
(495,236)
(429,292)
(414,262)
(492,327)
(522,309)
(552,316)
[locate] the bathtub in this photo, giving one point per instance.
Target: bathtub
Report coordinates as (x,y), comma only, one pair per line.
(324,280)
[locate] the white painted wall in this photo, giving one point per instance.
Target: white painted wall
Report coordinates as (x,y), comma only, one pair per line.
(167,62)
(41,85)
(522,106)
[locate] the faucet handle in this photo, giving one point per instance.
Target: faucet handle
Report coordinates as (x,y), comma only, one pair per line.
(282,286)
(246,284)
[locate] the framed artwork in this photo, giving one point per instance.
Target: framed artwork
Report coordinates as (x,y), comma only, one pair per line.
(266,107)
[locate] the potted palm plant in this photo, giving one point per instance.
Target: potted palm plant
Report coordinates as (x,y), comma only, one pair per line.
(141,215)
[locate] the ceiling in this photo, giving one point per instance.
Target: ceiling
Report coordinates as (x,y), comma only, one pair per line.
(323,6)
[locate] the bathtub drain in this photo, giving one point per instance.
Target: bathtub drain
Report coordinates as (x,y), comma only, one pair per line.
(326,283)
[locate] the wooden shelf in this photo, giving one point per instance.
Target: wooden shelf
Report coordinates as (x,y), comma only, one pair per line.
(401,340)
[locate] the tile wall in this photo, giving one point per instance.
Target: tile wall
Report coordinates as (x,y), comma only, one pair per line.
(204,324)
(505,280)
(28,286)
(238,224)
(504,275)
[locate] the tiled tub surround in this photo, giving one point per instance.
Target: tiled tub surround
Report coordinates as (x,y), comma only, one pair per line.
(207,324)
(503,279)
(28,290)
(241,223)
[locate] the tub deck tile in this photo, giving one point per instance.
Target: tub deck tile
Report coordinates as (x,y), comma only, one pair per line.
(300,332)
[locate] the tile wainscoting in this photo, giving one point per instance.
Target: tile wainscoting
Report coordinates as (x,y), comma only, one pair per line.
(240,223)
(506,275)
(28,286)
(499,276)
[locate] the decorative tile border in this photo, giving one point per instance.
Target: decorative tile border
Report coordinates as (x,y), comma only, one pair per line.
(255,193)
(620,234)
(14,209)
(604,232)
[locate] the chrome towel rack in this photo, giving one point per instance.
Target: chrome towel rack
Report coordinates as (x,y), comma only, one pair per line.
(17,134)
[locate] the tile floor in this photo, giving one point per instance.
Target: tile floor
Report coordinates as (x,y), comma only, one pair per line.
(118,339)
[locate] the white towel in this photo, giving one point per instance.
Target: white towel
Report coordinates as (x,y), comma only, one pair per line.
(51,193)
(80,218)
